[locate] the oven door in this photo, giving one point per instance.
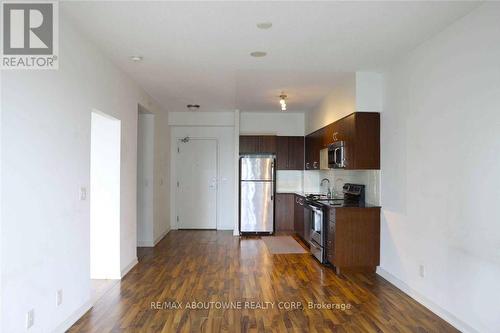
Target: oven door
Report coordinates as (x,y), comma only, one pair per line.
(317,225)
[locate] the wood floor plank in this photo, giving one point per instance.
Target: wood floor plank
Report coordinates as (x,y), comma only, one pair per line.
(210,266)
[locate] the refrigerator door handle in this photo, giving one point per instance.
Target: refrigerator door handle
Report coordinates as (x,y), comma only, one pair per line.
(272,181)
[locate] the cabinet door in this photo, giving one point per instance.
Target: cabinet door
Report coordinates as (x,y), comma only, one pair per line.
(317,144)
(366,138)
(345,132)
(330,242)
(307,224)
(285,207)
(267,144)
(309,146)
(282,153)
(249,144)
(327,137)
(298,221)
(295,153)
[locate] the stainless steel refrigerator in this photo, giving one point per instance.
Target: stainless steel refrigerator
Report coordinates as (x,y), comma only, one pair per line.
(257,185)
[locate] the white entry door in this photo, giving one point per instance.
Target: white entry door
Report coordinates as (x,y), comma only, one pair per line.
(196,170)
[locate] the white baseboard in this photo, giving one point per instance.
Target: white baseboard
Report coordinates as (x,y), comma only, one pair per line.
(145,243)
(444,314)
(73,318)
(149,243)
(159,238)
(128,267)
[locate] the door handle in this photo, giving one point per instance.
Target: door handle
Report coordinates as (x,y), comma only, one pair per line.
(272,181)
(335,156)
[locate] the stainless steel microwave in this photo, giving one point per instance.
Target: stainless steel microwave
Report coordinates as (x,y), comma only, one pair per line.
(336,155)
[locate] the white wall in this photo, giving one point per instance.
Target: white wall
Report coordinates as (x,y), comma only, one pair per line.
(272,123)
(201,118)
(104,197)
(145,179)
(215,127)
(161,183)
(440,172)
(340,102)
(369,91)
(45,162)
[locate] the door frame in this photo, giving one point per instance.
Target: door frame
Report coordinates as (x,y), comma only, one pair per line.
(174,224)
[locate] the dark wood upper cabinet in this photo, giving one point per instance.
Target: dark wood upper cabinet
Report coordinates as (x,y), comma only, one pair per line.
(313,144)
(290,152)
(295,153)
(249,144)
(255,144)
(360,132)
(282,152)
(268,144)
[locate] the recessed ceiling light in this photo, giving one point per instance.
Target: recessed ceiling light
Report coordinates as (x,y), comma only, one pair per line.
(264,25)
(136,58)
(258,54)
(193,107)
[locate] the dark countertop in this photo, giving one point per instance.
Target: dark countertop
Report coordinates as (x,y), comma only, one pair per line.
(345,204)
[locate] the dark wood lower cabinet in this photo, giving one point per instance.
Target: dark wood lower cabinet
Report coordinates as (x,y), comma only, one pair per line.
(298,221)
(353,239)
(284,213)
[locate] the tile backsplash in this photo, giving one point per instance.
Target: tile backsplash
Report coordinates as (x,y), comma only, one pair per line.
(309,181)
(289,181)
(369,178)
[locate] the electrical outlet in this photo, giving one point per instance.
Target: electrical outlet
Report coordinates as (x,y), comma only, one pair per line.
(59,297)
(421,271)
(83,193)
(30,318)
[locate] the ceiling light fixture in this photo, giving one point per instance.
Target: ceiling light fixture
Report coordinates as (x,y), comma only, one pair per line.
(264,25)
(193,107)
(258,54)
(283,101)
(136,58)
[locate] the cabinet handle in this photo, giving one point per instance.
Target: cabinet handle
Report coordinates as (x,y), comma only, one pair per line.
(315,165)
(307,165)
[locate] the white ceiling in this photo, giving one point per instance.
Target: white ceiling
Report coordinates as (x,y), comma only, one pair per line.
(198,52)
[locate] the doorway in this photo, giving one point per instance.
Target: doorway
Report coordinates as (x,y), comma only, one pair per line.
(196,193)
(105,197)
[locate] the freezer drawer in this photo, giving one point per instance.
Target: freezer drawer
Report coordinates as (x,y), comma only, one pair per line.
(257,207)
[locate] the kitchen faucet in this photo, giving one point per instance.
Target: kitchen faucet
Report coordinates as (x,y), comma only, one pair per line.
(329,194)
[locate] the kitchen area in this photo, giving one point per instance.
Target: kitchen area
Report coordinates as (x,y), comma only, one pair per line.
(322,189)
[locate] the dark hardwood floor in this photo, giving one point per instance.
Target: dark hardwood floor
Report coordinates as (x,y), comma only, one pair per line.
(210,266)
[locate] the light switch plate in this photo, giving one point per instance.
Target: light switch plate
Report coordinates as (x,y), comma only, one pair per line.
(83,193)
(59,297)
(30,318)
